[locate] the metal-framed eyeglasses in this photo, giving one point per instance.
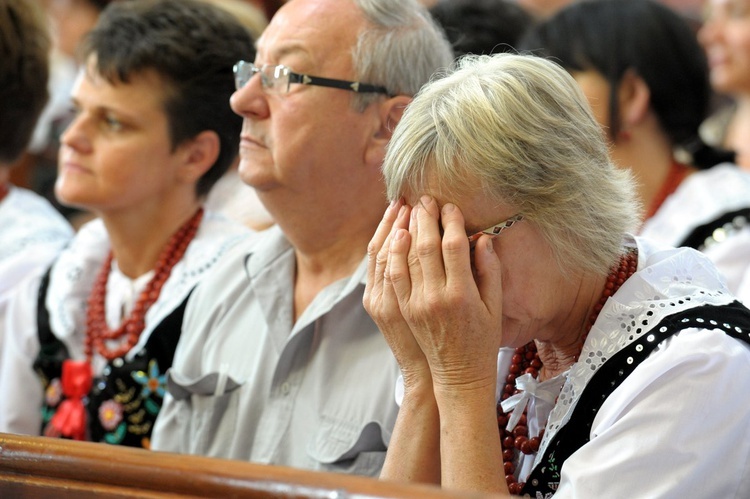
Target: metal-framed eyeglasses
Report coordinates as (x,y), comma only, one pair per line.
(278,78)
(495,230)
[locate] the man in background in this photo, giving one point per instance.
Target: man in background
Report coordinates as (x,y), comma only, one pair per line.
(280,362)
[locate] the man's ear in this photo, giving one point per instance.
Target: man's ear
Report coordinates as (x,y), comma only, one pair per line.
(389,114)
(634,100)
(199,155)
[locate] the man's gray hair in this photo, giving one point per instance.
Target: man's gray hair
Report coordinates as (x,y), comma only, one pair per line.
(400,49)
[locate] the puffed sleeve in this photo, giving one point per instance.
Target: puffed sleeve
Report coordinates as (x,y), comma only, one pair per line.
(20,388)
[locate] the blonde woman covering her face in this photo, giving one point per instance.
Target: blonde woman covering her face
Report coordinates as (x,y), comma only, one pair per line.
(504,155)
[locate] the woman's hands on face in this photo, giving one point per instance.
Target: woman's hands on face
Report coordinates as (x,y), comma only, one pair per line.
(381,303)
(454,314)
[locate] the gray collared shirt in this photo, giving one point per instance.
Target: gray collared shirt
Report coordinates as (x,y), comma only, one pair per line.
(247,383)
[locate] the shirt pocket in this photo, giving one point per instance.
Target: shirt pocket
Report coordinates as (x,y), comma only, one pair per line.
(209,407)
(345,447)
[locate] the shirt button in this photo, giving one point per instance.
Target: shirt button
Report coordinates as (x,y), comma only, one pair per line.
(285,389)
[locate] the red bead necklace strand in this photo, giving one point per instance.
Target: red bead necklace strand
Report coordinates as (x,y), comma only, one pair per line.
(526,360)
(675,176)
(97,331)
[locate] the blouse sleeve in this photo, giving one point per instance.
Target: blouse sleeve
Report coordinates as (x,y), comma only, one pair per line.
(20,388)
(676,427)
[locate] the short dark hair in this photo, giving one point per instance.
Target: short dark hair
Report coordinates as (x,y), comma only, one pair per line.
(193,47)
(612,36)
(481,26)
(101,4)
(24,72)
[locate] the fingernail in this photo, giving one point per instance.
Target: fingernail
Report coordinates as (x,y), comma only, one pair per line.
(448,207)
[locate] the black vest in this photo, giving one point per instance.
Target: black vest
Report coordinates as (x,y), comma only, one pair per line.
(734,319)
(124,401)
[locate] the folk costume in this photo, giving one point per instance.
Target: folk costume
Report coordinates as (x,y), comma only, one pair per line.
(32,233)
(710,211)
(656,397)
(91,346)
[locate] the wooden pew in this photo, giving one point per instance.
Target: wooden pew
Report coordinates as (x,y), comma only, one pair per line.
(32,467)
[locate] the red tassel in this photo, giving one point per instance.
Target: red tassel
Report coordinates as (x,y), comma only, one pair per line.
(70,418)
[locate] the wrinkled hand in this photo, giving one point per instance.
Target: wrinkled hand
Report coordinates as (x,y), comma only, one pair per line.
(455,315)
(381,303)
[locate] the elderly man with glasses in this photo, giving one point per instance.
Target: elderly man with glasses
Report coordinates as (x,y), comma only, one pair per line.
(279,362)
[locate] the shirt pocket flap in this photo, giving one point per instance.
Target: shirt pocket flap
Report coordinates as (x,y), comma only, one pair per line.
(217,383)
(337,440)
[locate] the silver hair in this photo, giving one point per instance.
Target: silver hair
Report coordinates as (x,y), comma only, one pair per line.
(517,129)
(400,49)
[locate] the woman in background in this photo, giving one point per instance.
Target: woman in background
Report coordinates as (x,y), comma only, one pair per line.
(32,232)
(649,90)
(725,35)
(152,132)
(69,21)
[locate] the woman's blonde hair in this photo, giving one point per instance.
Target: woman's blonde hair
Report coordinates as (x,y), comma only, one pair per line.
(518,130)
(250,16)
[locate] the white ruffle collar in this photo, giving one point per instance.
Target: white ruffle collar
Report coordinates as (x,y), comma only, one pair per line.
(74,272)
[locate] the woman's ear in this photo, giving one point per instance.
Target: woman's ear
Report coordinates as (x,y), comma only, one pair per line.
(389,114)
(199,153)
(634,100)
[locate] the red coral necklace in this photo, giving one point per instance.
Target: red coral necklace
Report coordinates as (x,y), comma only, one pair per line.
(70,416)
(526,360)
(97,331)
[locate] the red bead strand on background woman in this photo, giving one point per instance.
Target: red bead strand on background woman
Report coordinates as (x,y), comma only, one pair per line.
(677,173)
(526,360)
(97,331)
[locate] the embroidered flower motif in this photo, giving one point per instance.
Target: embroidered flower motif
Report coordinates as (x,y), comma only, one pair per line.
(110,414)
(554,470)
(53,393)
(117,436)
(153,382)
